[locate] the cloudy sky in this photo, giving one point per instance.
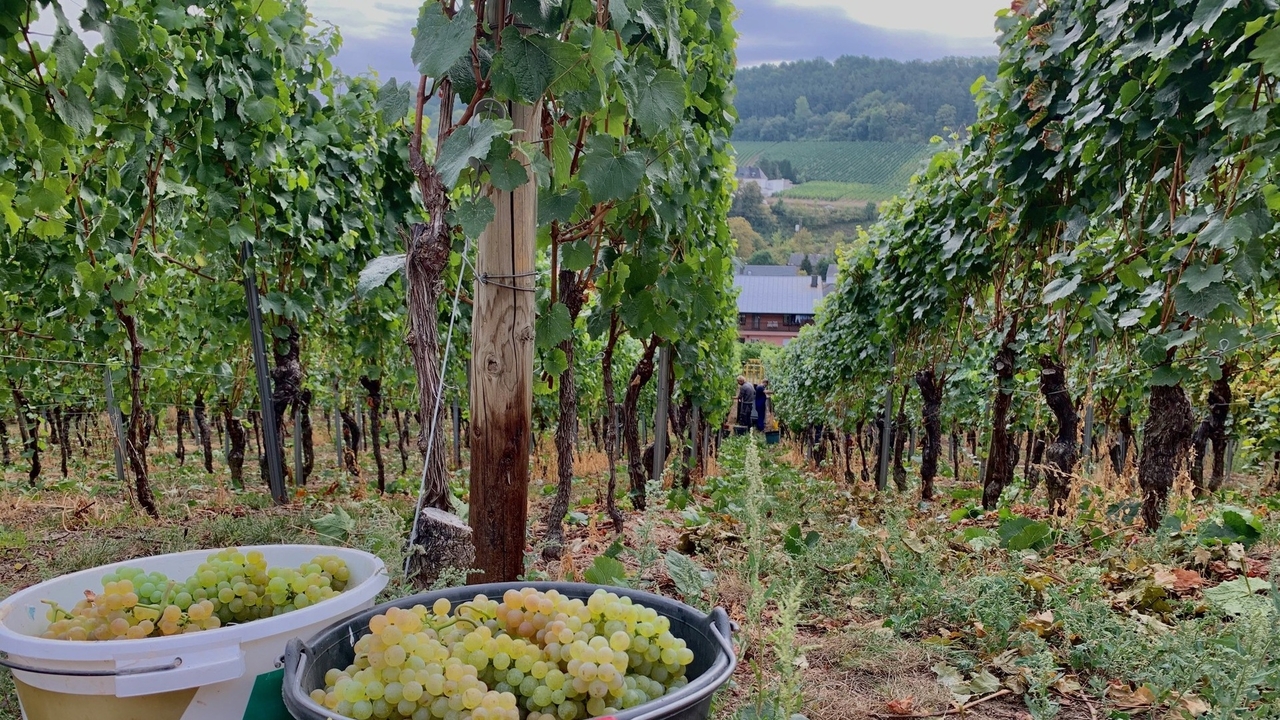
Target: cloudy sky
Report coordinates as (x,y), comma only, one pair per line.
(376,32)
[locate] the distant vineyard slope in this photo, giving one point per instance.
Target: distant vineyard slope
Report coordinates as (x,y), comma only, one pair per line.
(840,170)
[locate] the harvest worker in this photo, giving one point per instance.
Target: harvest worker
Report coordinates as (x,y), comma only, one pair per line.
(746,401)
(762,400)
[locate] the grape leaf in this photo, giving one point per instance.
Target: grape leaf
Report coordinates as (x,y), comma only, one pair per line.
(577,255)
(554,326)
(439,41)
(465,144)
(610,176)
(605,570)
(376,273)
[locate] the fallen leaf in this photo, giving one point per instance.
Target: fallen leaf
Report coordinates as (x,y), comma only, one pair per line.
(1186,581)
(1126,698)
(1066,685)
(884,558)
(1041,623)
(901,706)
(1194,705)
(984,682)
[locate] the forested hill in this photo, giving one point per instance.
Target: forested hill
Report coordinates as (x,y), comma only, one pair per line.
(857,98)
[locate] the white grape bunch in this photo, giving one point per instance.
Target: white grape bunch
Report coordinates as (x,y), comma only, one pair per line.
(532,655)
(229,587)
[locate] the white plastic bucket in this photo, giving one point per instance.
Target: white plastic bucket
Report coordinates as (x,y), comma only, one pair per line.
(226,674)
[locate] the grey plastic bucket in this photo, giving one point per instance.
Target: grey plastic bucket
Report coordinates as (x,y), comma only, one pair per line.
(707,635)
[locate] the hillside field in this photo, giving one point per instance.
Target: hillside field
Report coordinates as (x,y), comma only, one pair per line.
(872,163)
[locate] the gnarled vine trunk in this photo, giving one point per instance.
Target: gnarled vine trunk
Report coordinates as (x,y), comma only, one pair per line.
(202,425)
(61,422)
(373,387)
(1062,453)
(1166,439)
(286,384)
(401,444)
(566,427)
(426,258)
(931,388)
(351,442)
(138,430)
(1036,461)
(180,448)
(1000,462)
(5,459)
(900,432)
(1123,444)
(29,430)
(1213,428)
(306,434)
(235,439)
(636,470)
(611,428)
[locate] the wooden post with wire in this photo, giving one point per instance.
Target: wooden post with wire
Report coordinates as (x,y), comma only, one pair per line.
(502,375)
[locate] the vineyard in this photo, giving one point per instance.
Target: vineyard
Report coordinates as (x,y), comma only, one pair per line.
(1026,459)
(886,166)
(840,191)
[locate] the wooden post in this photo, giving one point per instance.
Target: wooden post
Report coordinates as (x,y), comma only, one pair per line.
(886,430)
(337,423)
(660,413)
(270,436)
(117,425)
(502,379)
(457,433)
(694,437)
(297,445)
(1086,452)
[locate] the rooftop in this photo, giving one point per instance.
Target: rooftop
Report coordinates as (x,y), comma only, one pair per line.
(793,295)
(771,270)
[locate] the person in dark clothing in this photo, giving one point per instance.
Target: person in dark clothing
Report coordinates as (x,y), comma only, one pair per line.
(762,400)
(746,401)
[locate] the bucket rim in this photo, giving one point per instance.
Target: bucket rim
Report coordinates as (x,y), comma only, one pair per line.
(698,690)
(68,654)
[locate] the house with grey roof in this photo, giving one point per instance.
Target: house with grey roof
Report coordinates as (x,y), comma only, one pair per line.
(773,307)
(768,187)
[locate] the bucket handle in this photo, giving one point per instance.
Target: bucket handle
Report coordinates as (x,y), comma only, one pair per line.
(22,667)
(719,617)
(294,651)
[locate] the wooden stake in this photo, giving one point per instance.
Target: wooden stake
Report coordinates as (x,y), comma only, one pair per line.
(660,413)
(502,379)
(117,426)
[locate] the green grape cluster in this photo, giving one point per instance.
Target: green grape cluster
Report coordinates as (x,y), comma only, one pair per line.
(531,656)
(229,587)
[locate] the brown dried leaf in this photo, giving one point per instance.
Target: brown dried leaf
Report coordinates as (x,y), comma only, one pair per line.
(1186,581)
(901,706)
(1042,623)
(1194,705)
(1126,698)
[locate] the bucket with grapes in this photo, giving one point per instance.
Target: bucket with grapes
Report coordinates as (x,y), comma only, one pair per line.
(185,636)
(514,651)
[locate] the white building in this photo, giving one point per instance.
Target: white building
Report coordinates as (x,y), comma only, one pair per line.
(755,175)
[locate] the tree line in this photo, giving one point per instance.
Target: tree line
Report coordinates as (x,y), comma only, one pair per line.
(857,98)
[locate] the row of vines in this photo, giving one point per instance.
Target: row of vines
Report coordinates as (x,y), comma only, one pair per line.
(198,149)
(1089,271)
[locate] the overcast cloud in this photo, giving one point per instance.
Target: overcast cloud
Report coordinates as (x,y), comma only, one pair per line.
(376,32)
